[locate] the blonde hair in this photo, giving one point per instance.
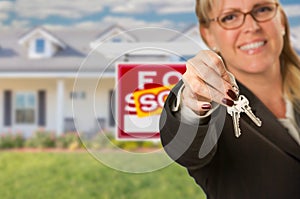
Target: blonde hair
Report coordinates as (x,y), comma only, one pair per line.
(290,63)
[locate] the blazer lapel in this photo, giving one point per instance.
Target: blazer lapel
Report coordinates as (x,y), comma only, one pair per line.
(271,128)
(297,118)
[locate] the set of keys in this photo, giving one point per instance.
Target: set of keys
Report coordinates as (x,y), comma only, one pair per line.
(241,106)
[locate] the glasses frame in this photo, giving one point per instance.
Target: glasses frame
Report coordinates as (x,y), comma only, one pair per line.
(217,19)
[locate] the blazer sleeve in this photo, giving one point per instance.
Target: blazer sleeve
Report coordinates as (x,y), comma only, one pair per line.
(192,146)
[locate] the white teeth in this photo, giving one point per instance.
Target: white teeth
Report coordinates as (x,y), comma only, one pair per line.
(252,45)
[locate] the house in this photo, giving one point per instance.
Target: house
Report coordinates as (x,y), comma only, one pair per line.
(64,80)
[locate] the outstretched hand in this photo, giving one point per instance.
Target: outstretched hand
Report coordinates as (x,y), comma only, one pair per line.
(206,79)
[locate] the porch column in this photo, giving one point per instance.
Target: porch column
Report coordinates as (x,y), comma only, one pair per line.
(60,89)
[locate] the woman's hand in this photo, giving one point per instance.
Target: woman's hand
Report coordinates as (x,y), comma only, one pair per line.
(206,79)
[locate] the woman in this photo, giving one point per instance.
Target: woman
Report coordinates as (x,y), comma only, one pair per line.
(249,41)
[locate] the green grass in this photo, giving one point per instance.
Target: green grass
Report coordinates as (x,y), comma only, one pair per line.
(78,175)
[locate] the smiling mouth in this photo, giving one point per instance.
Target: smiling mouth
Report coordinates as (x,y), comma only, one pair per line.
(253,46)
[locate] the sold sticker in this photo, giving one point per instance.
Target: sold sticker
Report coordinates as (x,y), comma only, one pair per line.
(151,101)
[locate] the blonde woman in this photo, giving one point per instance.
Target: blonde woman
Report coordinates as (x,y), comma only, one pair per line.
(251,56)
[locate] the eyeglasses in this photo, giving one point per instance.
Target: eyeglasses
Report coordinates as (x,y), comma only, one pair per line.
(235,19)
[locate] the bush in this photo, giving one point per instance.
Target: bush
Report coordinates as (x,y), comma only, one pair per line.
(149,144)
(9,140)
(65,140)
(69,140)
(18,140)
(102,140)
(42,139)
(130,146)
(134,145)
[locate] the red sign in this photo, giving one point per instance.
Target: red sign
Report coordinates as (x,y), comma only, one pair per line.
(142,89)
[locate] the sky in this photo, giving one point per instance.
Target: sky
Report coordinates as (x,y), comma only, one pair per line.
(94,13)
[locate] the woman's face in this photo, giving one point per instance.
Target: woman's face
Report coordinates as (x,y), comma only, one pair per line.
(254,47)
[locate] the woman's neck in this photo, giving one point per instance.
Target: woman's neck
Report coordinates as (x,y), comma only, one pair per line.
(268,88)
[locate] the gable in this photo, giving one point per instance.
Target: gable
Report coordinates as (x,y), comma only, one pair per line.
(41,33)
(114,34)
(191,33)
(39,43)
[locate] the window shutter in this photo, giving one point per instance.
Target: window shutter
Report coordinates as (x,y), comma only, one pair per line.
(112,108)
(41,108)
(7,107)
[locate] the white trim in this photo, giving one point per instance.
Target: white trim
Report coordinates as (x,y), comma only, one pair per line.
(60,91)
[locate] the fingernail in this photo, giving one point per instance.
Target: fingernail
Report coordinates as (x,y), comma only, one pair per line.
(232,95)
(228,102)
(206,106)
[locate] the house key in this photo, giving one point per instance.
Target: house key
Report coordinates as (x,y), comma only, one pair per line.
(241,105)
(235,118)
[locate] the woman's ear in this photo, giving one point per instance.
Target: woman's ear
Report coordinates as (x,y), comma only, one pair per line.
(207,37)
(283,22)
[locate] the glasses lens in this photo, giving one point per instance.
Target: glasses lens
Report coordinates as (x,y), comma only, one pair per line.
(231,19)
(264,12)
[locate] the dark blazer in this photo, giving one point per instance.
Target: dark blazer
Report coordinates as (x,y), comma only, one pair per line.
(263,163)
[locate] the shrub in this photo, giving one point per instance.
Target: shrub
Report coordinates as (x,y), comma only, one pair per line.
(131,145)
(65,140)
(134,145)
(69,140)
(9,140)
(149,144)
(101,140)
(18,140)
(41,139)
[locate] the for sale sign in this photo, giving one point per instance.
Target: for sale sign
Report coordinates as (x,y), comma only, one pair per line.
(142,89)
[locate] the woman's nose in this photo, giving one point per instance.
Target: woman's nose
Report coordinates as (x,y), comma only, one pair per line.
(250,24)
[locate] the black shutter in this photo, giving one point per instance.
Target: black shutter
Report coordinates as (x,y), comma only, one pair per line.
(42,108)
(7,107)
(112,108)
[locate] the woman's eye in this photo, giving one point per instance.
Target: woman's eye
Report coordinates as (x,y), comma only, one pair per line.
(228,18)
(263,9)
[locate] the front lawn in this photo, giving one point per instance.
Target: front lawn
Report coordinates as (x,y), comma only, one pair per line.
(71,175)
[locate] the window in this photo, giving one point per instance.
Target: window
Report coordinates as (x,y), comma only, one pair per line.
(116,40)
(25,104)
(40,45)
(77,95)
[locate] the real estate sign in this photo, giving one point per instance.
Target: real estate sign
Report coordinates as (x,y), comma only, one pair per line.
(142,89)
